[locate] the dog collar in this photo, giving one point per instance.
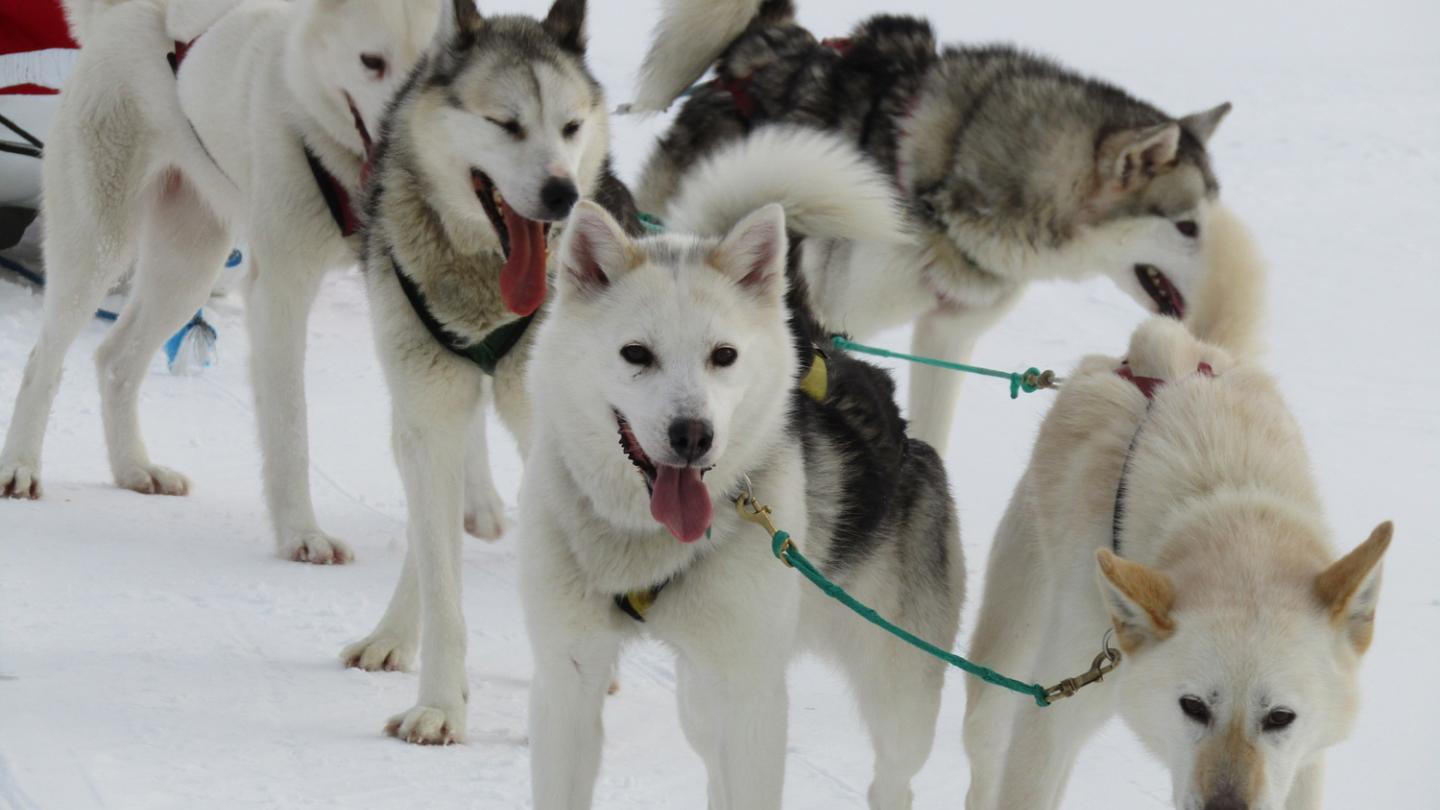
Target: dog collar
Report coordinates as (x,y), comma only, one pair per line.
(1147,386)
(635,603)
(487,353)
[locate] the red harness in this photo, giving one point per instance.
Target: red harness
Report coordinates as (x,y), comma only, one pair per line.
(1148,385)
(337,199)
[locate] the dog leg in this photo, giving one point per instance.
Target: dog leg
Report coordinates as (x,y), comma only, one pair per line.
(484,510)
(78,272)
(736,721)
(429,442)
(567,695)
(947,334)
(898,691)
(182,248)
(391,645)
(277,308)
(1308,792)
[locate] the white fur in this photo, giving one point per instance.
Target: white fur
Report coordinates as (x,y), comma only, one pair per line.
(126,180)
(733,615)
(828,188)
(688,38)
(1219,503)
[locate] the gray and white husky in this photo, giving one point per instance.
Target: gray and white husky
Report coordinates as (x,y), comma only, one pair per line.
(485,150)
(160,163)
(1178,479)
(1013,169)
(666,379)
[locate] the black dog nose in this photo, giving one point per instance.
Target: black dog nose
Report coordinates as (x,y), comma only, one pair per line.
(1226,800)
(691,438)
(559,196)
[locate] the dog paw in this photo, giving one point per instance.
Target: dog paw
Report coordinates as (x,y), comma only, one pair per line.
(152,479)
(379,652)
(424,725)
(315,547)
(485,514)
(20,480)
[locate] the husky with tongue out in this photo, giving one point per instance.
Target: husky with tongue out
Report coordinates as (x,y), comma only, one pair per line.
(498,132)
(667,376)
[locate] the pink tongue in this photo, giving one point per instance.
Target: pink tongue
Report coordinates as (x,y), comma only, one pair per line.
(522,281)
(680,502)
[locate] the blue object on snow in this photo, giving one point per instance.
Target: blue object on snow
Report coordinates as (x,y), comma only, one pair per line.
(193,347)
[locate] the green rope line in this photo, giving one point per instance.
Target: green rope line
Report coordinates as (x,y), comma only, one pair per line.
(1019,381)
(653,224)
(787,553)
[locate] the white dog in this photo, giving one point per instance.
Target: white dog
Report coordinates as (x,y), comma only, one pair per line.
(1181,472)
(183,123)
(664,381)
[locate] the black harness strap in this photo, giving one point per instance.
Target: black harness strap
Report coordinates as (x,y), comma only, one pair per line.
(635,603)
(486,354)
(337,199)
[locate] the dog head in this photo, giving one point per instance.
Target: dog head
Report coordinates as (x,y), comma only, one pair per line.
(666,364)
(509,130)
(354,55)
(1032,172)
(1239,691)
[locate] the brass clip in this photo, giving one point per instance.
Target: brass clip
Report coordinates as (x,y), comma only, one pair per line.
(752,511)
(1104,664)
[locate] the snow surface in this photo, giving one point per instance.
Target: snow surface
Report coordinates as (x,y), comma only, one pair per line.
(154,654)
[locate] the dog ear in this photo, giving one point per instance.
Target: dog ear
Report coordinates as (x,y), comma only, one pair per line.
(1350,587)
(1127,159)
(1202,125)
(753,253)
(595,250)
(566,22)
(467,18)
(1139,600)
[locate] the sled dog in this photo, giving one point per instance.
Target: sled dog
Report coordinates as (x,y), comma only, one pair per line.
(1013,169)
(184,124)
(483,154)
(1178,479)
(664,382)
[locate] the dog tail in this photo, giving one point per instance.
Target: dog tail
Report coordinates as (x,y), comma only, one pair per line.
(1226,310)
(828,188)
(81,15)
(690,36)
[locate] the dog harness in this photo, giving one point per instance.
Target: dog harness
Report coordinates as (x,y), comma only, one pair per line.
(1147,386)
(487,353)
(816,385)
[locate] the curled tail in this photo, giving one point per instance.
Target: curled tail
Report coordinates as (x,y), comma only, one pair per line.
(828,188)
(1226,310)
(690,36)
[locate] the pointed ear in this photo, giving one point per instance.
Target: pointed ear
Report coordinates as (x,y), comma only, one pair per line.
(467,18)
(1139,600)
(1350,587)
(595,250)
(566,22)
(1127,159)
(753,253)
(1202,125)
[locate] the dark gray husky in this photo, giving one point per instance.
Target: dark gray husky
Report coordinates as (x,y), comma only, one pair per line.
(1011,168)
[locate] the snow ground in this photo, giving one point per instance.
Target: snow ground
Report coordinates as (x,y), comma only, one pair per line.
(153,654)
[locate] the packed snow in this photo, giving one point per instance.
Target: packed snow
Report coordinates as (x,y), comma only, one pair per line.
(154,653)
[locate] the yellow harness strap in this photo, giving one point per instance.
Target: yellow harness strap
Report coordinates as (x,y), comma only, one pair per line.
(816,382)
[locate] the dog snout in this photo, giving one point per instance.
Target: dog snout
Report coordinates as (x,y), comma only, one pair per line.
(691,438)
(1226,799)
(558,195)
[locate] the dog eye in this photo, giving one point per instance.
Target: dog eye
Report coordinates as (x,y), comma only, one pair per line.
(1188,228)
(724,356)
(511,126)
(570,129)
(637,355)
(1277,719)
(1195,709)
(374,63)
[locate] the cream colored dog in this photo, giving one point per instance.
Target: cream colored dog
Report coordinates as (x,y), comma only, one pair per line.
(1179,478)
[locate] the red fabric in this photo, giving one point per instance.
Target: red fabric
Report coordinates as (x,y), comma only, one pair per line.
(33,25)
